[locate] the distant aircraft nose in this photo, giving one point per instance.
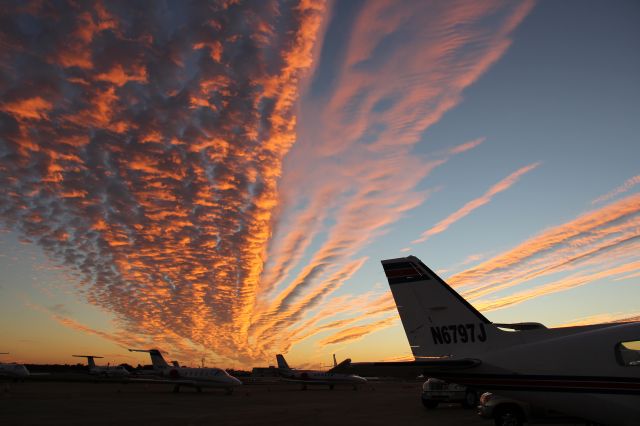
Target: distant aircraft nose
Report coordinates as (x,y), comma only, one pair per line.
(360,379)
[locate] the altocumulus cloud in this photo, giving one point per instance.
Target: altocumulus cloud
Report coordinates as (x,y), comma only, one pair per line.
(141,145)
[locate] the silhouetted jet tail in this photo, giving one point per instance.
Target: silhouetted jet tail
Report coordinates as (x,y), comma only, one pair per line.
(438,321)
(340,366)
(282,363)
(90,359)
(156,357)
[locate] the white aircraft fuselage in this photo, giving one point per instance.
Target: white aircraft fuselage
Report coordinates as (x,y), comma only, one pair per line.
(109,371)
(186,376)
(205,377)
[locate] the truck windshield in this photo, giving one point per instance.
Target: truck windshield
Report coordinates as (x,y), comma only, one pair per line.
(628,353)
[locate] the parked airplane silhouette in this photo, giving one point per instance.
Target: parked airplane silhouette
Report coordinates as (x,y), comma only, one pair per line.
(315,377)
(186,376)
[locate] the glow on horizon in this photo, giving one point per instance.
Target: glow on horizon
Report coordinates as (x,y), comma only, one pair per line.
(221,181)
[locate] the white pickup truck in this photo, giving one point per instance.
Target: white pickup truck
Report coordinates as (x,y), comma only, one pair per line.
(435,391)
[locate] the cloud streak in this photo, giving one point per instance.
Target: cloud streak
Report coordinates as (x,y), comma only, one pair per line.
(600,244)
(614,317)
(353,172)
(625,187)
(358,332)
(499,187)
(594,233)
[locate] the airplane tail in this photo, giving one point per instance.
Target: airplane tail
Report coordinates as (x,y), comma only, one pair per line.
(90,359)
(156,357)
(438,321)
(282,363)
(157,360)
(340,366)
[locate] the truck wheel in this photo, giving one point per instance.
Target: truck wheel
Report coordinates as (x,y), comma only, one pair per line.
(508,416)
(429,403)
(470,399)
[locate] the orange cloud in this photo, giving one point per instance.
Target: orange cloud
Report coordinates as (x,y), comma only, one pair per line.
(590,237)
(466,146)
(360,308)
(35,108)
(358,332)
(554,287)
(597,245)
(119,76)
(614,317)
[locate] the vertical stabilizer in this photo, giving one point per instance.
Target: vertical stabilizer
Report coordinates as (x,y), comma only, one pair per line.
(90,359)
(282,363)
(157,360)
(437,320)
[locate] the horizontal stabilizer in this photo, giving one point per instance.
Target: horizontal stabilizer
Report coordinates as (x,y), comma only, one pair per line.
(521,326)
(156,357)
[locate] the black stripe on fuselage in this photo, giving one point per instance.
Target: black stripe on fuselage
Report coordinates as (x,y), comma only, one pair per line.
(546,383)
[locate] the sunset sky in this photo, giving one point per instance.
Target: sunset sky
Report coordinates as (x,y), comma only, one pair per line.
(222,180)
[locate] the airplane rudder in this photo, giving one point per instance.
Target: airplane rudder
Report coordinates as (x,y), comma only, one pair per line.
(282,363)
(157,359)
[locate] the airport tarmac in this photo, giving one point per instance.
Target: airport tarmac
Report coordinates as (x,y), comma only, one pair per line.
(81,403)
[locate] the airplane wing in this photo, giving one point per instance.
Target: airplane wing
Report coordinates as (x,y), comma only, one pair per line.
(159,381)
(407,368)
(308,382)
(436,363)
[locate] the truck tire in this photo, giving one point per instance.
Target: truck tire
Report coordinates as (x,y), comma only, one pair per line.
(430,403)
(470,399)
(508,415)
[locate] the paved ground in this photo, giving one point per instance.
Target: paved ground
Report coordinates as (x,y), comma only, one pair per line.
(60,403)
